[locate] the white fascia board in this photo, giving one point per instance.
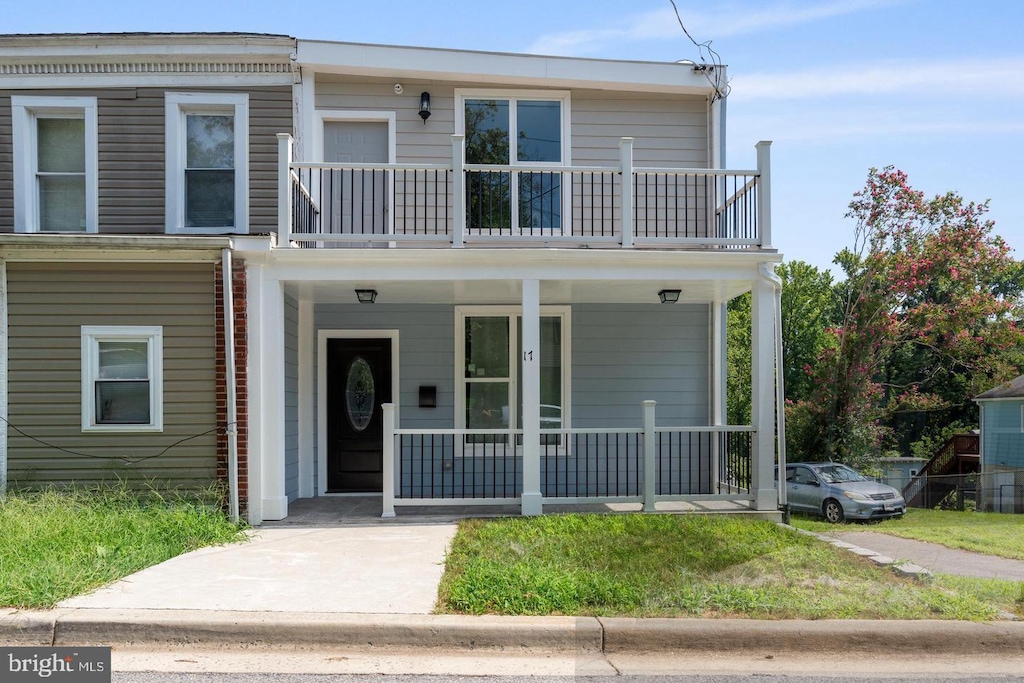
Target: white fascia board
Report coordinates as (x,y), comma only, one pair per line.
(298,265)
(136,46)
(499,68)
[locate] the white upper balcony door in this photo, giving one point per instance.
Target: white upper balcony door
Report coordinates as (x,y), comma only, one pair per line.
(517,143)
(359,197)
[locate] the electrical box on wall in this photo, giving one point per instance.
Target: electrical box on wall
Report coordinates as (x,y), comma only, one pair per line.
(428,397)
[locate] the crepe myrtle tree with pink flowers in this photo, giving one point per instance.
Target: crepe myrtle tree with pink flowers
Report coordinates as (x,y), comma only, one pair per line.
(928,316)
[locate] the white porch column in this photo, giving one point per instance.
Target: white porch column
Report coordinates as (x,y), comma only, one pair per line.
(532,500)
(719,381)
(267,411)
(762,353)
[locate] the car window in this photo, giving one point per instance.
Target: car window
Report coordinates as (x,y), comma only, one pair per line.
(838,474)
(803,476)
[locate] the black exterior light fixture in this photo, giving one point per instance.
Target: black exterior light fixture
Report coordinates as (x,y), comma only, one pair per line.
(366,296)
(669,296)
(425,106)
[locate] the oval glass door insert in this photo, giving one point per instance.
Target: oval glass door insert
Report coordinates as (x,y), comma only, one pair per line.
(359,394)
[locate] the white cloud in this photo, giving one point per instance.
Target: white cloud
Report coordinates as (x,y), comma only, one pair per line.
(975,77)
(734,19)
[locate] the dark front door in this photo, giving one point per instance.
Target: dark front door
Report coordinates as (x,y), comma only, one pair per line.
(358,382)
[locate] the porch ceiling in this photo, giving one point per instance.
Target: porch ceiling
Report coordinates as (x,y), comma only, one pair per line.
(509,291)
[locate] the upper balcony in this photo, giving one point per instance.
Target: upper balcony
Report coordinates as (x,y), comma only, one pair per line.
(471,205)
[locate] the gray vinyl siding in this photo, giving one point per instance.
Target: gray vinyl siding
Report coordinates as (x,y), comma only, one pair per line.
(132,158)
(1003,437)
(669,130)
(291,398)
(47,305)
(623,355)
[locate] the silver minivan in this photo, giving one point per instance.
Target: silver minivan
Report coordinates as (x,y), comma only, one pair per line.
(837,492)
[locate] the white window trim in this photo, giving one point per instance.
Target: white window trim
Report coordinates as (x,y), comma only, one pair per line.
(176,106)
(463,312)
(91,336)
(24,110)
(563,96)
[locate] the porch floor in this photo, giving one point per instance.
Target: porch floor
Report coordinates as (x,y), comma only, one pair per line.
(366,510)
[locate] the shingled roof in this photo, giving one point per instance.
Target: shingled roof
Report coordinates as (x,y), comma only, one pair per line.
(1011,389)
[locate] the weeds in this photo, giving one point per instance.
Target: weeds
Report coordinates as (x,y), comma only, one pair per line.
(56,544)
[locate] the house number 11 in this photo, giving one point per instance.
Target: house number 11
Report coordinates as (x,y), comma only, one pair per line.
(527,355)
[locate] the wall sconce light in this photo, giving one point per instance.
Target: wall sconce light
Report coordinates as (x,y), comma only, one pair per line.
(425,107)
(366,296)
(669,296)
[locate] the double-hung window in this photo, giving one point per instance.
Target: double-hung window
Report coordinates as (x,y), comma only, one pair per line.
(528,132)
(55,164)
(122,378)
(490,366)
(207,137)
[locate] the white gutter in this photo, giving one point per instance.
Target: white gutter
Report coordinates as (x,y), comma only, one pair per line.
(229,381)
(780,389)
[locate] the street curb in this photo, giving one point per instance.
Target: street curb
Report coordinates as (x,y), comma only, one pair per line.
(804,636)
(567,635)
(384,631)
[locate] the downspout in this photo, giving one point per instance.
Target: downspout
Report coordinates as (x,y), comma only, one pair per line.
(229,381)
(780,389)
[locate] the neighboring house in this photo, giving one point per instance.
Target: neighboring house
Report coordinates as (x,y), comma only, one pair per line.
(126,163)
(1002,447)
(458,276)
(897,472)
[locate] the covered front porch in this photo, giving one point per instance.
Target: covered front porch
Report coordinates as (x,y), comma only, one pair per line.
(498,380)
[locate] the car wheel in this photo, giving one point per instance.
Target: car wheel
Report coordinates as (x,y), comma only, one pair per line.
(833,511)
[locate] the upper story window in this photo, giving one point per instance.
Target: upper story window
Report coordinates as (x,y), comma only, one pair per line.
(55,164)
(525,128)
(207,138)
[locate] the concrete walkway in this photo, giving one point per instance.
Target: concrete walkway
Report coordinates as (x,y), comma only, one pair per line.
(352,569)
(936,558)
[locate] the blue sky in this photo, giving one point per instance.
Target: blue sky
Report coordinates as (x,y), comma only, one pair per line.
(934,87)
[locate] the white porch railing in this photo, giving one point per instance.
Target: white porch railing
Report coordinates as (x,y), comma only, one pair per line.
(576,466)
(457,204)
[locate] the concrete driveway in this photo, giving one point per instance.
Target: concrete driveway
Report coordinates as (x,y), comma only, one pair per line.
(363,569)
(937,558)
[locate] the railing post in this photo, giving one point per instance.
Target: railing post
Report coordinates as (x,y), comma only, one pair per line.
(764,193)
(388,410)
(626,161)
(650,459)
(284,189)
(458,190)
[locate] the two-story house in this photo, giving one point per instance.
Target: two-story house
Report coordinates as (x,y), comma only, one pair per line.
(454,277)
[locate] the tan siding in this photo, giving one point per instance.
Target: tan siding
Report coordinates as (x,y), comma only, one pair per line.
(132,156)
(669,130)
(48,304)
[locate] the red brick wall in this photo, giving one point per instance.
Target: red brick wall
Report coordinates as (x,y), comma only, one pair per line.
(241,382)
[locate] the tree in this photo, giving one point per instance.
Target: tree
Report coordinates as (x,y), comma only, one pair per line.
(808,308)
(927,319)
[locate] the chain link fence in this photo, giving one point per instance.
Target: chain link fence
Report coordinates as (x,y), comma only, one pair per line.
(1000,491)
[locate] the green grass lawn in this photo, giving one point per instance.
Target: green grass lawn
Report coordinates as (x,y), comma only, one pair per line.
(992,533)
(688,565)
(54,545)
